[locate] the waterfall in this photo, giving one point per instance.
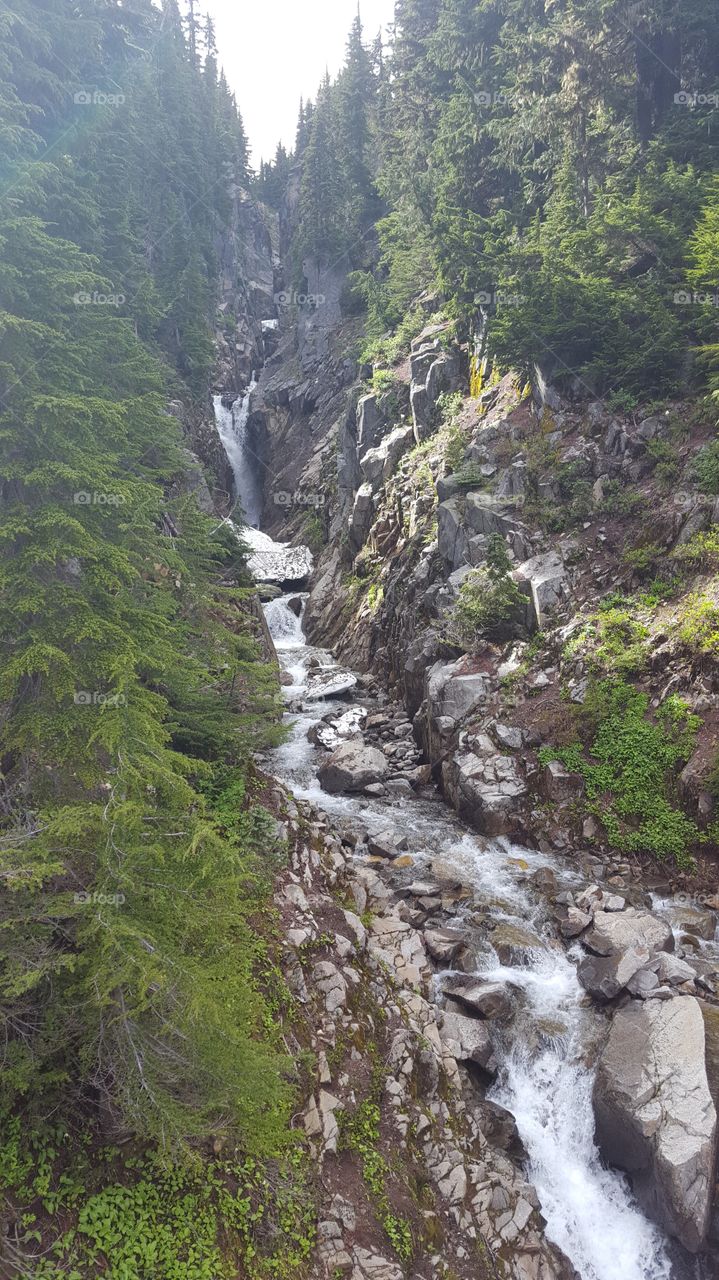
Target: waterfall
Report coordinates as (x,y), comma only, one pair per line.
(232,430)
(285,625)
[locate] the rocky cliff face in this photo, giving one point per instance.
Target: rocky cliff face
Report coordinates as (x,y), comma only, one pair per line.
(606,529)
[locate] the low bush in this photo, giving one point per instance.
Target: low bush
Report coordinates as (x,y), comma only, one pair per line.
(629,769)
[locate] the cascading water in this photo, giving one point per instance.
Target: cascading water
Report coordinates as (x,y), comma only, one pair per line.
(232,430)
(545,1079)
(269,561)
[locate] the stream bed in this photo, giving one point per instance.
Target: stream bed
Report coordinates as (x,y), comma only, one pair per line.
(546,1075)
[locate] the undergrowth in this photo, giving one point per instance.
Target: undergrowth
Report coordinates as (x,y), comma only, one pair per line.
(629,768)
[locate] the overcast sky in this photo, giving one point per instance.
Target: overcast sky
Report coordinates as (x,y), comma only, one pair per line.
(275,51)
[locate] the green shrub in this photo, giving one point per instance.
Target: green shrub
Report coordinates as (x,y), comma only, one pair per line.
(630,766)
(490,602)
(705,468)
(702,549)
(699,625)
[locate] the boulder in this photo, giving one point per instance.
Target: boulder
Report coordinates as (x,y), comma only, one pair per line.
(351,767)
(558,784)
(387,845)
(574,923)
(330,682)
(454,692)
(485,790)
(500,1128)
(468,1040)
(654,1112)
(605,976)
(444,945)
(548,583)
(513,944)
(484,999)
(614,932)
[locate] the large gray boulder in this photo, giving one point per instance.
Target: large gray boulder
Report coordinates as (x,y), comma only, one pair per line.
(483,999)
(468,1040)
(613,932)
(454,691)
(605,976)
(654,1112)
(547,581)
(352,767)
(485,789)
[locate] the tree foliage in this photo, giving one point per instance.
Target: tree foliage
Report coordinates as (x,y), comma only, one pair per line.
(133,855)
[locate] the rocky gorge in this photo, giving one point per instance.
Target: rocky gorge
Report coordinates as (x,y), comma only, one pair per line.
(522,1014)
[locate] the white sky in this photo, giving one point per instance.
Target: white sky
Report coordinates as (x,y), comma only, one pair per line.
(275,51)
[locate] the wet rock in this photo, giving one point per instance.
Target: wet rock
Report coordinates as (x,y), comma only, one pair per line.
(444,945)
(574,923)
(613,932)
(500,1129)
(485,999)
(513,944)
(387,845)
(352,767)
(468,1040)
(700,924)
(331,731)
(604,977)
(655,1115)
